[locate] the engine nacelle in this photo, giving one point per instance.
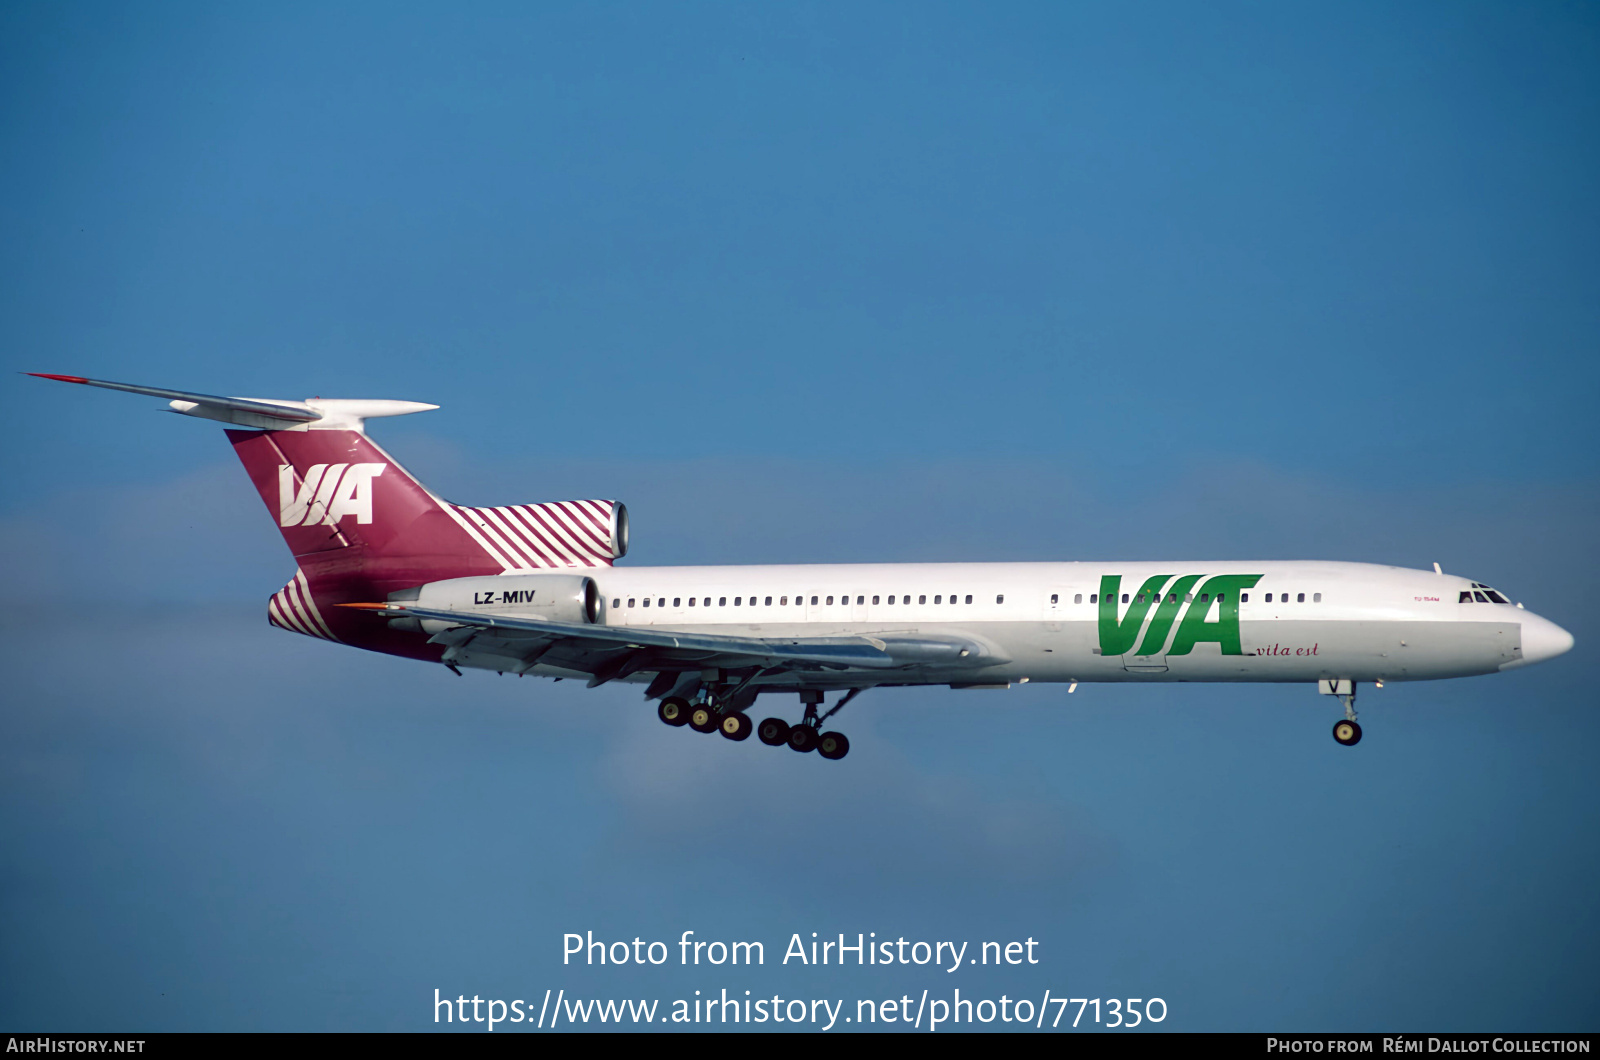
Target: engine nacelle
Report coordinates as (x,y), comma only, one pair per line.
(570,598)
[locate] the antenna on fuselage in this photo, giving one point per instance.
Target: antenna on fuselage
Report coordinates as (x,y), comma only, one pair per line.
(1437,569)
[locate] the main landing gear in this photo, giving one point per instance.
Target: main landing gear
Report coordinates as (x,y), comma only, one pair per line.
(1347,730)
(808,735)
(704,715)
(673,710)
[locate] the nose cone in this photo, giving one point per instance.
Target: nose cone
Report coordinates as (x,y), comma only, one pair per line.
(1542,639)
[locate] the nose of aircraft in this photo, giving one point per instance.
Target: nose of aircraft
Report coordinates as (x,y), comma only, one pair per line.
(1542,639)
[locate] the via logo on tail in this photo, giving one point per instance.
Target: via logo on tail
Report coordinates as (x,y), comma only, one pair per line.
(328,493)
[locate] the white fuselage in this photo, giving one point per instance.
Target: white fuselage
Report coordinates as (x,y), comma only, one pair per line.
(1045,621)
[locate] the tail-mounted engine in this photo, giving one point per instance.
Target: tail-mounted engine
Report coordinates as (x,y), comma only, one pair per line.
(572,598)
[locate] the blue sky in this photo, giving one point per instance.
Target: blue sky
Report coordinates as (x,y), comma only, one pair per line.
(810,283)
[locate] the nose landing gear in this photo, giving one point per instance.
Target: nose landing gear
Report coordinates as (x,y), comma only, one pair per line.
(1348,731)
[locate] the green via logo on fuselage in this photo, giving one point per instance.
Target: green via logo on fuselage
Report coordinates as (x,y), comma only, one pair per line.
(1219,594)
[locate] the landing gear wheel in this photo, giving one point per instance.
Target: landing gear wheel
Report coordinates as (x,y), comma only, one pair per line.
(833,745)
(1347,732)
(673,710)
(803,738)
(737,726)
(773,732)
(702,718)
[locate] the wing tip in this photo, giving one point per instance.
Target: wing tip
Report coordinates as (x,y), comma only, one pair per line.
(57,378)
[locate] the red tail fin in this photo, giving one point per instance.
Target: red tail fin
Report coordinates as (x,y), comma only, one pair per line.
(361,526)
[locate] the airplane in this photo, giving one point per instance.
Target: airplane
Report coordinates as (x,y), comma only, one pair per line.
(383,563)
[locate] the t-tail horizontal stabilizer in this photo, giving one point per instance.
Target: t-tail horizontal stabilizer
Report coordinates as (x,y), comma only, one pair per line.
(272,414)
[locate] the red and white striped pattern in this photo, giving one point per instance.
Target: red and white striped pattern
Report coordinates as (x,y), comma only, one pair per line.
(559,534)
(293,609)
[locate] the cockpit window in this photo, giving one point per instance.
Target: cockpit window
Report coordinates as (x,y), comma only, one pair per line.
(1482,594)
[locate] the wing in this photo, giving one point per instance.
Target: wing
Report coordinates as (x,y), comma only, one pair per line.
(607,653)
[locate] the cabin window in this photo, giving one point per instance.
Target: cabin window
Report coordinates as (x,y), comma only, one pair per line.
(661,602)
(1077,598)
(691,601)
(1054,599)
(1124,597)
(1205,598)
(616,603)
(737,600)
(1244,598)
(1221,597)
(769,602)
(1094,598)
(814,601)
(1139,599)
(969,598)
(1000,599)
(874,601)
(677,601)
(1301,598)
(861,599)
(922,599)
(630,601)
(722,601)
(1269,598)
(939,599)
(647,601)
(1316,598)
